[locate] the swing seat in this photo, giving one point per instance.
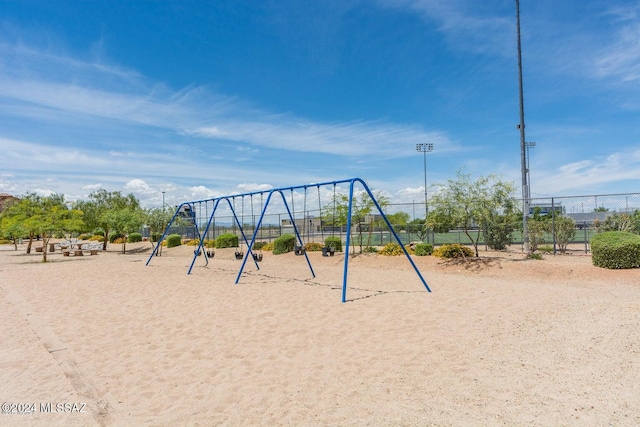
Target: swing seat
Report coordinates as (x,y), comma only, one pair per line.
(299,250)
(257,257)
(211,254)
(239,255)
(198,253)
(328,251)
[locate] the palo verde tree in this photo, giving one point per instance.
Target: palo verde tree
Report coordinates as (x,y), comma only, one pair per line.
(43,216)
(362,220)
(157,220)
(12,228)
(19,212)
(97,210)
(469,205)
(124,221)
(418,226)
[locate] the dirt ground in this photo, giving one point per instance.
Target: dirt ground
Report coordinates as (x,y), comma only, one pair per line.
(501,340)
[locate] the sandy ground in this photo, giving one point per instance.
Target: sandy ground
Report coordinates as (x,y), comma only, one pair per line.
(500,341)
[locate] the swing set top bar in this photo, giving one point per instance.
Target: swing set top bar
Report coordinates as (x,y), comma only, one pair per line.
(275,190)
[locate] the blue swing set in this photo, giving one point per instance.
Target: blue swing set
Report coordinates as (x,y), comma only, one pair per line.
(188,210)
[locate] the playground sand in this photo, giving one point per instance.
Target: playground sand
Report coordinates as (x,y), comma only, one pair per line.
(499,341)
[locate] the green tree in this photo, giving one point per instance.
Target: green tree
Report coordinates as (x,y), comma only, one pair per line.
(21,211)
(43,216)
(470,205)
(399,220)
(157,220)
(565,231)
(97,209)
(362,219)
(418,226)
(125,220)
(13,229)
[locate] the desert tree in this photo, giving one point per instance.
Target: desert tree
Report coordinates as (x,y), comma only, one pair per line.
(97,210)
(362,220)
(469,205)
(157,220)
(124,221)
(43,216)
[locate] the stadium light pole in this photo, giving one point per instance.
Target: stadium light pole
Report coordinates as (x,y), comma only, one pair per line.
(425,148)
(523,151)
(530,144)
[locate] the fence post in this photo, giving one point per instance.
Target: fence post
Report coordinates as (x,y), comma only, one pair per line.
(586,247)
(553,224)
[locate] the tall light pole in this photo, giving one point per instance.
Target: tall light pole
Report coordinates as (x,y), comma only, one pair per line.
(163,201)
(530,144)
(523,152)
(425,148)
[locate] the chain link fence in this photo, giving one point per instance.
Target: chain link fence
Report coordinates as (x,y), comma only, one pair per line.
(585,211)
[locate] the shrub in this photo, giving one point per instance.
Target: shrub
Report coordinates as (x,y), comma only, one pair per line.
(259,245)
(98,233)
(615,222)
(84,236)
(268,247)
(313,247)
(155,236)
(423,249)
(96,238)
(192,242)
(565,229)
(174,240)
(114,237)
(209,243)
(534,256)
(335,242)
(547,249)
(615,249)
(499,233)
(370,249)
(135,237)
(284,244)
(4,241)
(227,240)
(454,250)
(391,249)
(536,231)
(120,240)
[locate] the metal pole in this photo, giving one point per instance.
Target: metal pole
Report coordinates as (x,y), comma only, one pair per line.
(425,148)
(530,144)
(523,152)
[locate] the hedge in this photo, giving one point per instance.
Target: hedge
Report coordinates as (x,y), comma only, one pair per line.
(335,242)
(174,240)
(423,249)
(284,244)
(135,237)
(615,250)
(227,240)
(453,250)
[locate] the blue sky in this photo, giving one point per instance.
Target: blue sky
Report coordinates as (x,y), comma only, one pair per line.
(206,98)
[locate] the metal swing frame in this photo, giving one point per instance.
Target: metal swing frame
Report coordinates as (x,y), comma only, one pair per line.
(249,253)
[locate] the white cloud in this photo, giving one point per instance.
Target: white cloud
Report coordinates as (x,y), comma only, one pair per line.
(92,187)
(251,187)
(139,186)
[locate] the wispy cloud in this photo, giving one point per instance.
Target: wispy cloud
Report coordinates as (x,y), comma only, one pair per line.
(469,26)
(621,58)
(193,111)
(590,173)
